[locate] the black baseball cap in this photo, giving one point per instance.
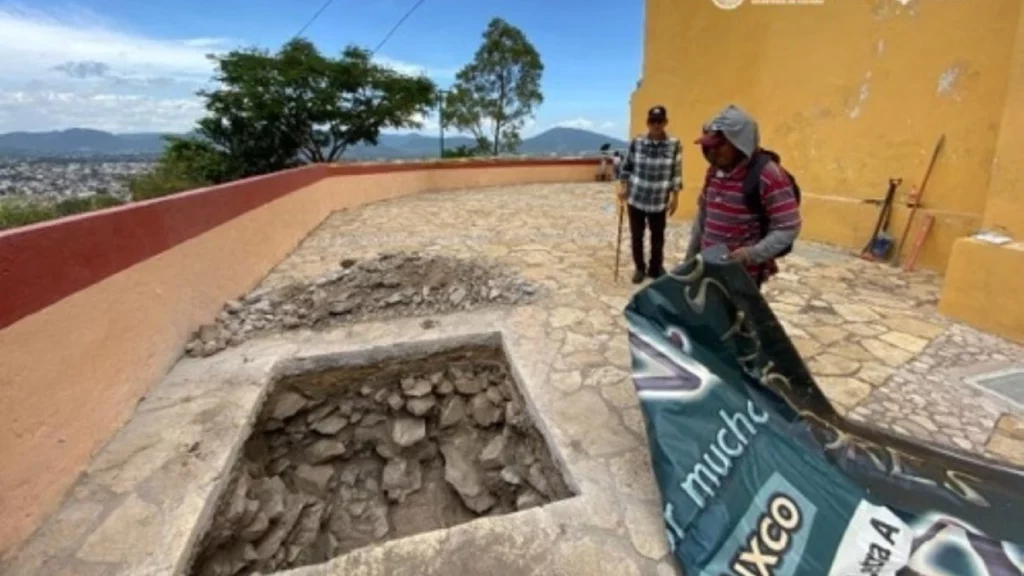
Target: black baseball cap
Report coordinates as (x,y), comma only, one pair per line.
(657,114)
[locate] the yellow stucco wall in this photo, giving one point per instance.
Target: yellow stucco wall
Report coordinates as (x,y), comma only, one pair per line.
(983,287)
(984,283)
(851,93)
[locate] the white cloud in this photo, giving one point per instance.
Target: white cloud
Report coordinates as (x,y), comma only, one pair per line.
(76,69)
(73,69)
(581,123)
(586,124)
(42,110)
(32,43)
(415,69)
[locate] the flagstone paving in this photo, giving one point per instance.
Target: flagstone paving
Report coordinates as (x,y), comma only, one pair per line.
(870,334)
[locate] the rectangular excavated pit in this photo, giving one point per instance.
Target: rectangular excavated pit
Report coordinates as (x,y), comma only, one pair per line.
(361,453)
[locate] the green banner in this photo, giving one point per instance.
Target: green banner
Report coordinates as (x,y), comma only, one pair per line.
(761,477)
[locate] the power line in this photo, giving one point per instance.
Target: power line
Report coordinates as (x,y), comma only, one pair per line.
(397,24)
(325,6)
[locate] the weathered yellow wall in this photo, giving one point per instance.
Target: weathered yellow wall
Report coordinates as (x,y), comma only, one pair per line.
(983,287)
(851,93)
(984,283)
(1004,208)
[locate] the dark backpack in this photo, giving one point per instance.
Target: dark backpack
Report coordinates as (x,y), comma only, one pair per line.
(752,190)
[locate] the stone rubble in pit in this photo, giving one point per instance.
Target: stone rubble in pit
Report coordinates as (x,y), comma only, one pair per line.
(389,286)
(335,464)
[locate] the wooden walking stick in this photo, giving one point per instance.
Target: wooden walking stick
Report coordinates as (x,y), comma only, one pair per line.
(618,243)
(916,199)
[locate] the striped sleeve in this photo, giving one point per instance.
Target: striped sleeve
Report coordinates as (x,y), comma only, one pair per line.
(778,199)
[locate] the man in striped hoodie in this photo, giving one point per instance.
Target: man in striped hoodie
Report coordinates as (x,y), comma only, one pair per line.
(725,216)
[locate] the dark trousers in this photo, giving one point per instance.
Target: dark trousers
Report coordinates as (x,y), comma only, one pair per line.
(639,221)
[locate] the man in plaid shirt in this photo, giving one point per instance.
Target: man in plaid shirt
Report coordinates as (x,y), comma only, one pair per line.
(650,180)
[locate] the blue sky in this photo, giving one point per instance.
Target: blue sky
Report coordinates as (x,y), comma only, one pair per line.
(130,65)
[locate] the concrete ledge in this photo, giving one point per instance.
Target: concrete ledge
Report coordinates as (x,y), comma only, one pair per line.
(983,287)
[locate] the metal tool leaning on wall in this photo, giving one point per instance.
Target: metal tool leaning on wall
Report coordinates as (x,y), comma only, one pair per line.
(879,245)
(758,471)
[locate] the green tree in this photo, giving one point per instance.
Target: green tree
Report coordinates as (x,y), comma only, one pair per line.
(273,111)
(186,163)
(496,93)
(270,112)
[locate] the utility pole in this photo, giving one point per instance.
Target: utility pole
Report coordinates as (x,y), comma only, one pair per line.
(441,94)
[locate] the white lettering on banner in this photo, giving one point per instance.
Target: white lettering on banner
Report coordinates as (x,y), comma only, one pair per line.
(730,442)
(878,556)
(673,531)
(876,543)
(894,463)
(767,544)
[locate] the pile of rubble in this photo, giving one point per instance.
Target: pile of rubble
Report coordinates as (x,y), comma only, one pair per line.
(332,466)
(389,286)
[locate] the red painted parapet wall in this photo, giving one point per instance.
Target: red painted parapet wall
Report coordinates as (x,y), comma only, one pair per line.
(46,262)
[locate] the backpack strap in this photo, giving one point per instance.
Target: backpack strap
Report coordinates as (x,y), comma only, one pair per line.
(752,188)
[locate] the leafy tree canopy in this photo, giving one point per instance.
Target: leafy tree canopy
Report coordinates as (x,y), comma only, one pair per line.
(270,112)
(496,93)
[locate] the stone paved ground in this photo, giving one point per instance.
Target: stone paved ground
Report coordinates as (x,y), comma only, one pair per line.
(871,336)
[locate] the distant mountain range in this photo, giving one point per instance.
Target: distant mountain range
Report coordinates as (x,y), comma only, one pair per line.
(85,142)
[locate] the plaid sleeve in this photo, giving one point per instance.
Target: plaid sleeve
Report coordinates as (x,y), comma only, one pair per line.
(629,162)
(677,168)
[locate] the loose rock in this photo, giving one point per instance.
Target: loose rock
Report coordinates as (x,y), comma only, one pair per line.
(324,450)
(493,454)
(453,412)
(528,499)
(484,411)
(408,431)
(420,406)
(331,425)
(460,473)
(287,405)
(313,479)
(400,478)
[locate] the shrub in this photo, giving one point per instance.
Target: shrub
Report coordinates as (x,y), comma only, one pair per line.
(186,164)
(16,212)
(459,152)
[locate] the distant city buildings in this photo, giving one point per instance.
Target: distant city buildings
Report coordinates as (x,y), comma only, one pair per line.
(57,177)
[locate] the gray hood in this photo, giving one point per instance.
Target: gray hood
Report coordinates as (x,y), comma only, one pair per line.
(738,127)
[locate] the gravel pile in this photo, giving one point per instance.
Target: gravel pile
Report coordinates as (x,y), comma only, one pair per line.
(389,286)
